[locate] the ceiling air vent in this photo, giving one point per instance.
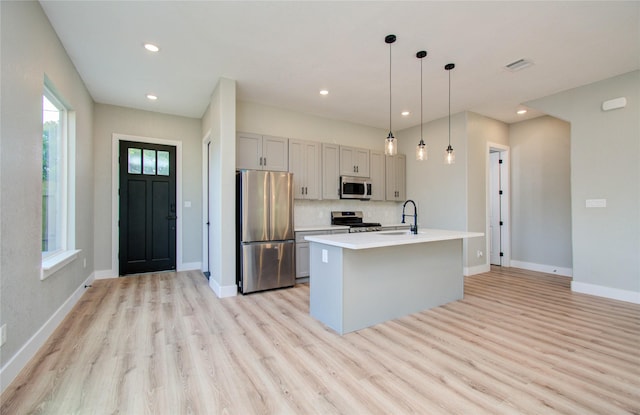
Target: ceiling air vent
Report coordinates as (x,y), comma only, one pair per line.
(518,65)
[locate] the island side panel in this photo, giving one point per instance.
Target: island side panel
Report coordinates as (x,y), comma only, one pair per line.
(381,284)
(325,285)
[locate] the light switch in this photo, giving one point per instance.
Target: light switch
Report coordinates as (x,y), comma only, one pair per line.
(596,203)
(325,256)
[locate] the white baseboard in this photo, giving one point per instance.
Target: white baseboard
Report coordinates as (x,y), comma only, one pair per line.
(13,367)
(223,291)
(189,266)
(478,269)
(607,292)
(549,269)
(105,273)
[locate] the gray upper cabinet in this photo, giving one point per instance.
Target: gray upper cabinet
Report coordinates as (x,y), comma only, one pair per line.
(396,177)
(262,152)
(377,175)
(304,163)
(330,171)
(354,161)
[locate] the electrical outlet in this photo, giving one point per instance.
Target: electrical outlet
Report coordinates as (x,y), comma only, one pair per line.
(479,253)
(325,256)
(84,263)
(3,334)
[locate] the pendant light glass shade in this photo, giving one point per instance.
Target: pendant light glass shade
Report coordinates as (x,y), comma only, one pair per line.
(391,144)
(449,155)
(421,149)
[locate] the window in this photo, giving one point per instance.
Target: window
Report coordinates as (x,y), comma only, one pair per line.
(57,188)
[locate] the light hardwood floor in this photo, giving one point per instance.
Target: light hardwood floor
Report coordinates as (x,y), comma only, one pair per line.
(519,342)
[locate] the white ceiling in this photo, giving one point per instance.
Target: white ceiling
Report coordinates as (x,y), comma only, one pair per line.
(283,53)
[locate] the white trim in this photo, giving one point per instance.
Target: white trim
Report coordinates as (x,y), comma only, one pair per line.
(606,292)
(549,269)
(206,140)
(190,266)
(13,367)
(54,263)
(105,274)
(115,183)
(505,176)
(478,269)
(223,291)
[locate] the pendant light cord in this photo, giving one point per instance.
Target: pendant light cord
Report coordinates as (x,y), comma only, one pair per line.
(421,111)
(449,107)
(390,134)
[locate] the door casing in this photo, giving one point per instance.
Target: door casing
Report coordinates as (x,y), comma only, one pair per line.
(505,204)
(115,199)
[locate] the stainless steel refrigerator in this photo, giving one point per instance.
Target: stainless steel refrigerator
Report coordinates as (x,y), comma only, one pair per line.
(264,227)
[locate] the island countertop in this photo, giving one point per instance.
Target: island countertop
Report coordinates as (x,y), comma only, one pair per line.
(367,240)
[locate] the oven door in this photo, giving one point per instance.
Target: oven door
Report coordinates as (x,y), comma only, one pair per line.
(355,188)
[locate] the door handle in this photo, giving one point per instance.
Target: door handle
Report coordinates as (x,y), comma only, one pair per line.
(170,217)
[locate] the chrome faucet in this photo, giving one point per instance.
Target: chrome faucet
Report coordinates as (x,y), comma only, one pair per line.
(413,228)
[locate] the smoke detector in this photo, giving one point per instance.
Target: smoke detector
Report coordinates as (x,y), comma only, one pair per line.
(518,65)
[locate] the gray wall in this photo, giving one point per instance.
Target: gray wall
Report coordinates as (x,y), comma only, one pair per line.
(219,125)
(541,192)
(110,119)
(438,189)
(481,130)
(29,50)
(605,164)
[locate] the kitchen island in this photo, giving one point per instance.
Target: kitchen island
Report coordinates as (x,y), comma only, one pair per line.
(361,279)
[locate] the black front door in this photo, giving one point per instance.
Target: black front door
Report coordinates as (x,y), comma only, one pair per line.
(147,208)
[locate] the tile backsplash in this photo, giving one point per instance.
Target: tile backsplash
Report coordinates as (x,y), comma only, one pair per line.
(318,212)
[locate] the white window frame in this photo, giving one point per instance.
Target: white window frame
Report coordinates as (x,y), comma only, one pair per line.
(52,261)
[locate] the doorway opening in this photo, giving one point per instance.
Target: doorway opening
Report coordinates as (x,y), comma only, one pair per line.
(498,194)
(206,206)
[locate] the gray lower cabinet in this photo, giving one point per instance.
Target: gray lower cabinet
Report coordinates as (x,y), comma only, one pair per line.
(302,252)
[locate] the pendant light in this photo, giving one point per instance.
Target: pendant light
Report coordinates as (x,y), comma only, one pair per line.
(421,149)
(449,155)
(391,144)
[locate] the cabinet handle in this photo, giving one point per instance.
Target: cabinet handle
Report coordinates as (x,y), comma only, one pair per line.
(357,169)
(265,161)
(260,163)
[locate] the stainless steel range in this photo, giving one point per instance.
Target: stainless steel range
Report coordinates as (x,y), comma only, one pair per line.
(353,219)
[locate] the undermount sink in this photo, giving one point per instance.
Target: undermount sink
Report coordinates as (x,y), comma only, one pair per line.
(394,233)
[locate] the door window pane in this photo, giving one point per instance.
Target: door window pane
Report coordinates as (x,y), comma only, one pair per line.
(163,163)
(149,161)
(135,161)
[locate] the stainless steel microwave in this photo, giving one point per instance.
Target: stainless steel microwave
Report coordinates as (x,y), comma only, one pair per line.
(355,188)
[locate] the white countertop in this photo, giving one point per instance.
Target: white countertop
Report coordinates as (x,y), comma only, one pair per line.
(366,240)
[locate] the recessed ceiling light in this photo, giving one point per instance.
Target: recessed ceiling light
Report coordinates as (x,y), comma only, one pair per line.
(324,92)
(521,111)
(151,97)
(151,47)
(405,113)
